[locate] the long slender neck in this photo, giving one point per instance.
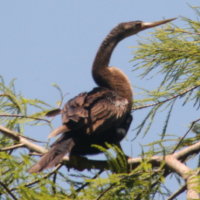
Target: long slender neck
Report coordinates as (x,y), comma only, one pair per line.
(104,52)
(102,59)
(110,77)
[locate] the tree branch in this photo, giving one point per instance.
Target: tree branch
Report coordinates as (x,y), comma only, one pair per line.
(97,164)
(39,179)
(16,146)
(22,140)
(178,192)
(166,100)
(172,161)
(8,191)
(183,137)
(187,151)
(25,116)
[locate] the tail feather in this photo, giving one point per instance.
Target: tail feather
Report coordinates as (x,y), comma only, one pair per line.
(50,159)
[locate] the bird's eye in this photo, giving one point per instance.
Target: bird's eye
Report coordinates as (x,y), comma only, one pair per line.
(138,25)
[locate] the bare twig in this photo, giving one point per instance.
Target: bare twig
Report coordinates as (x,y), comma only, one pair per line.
(44,177)
(41,178)
(25,116)
(87,183)
(178,192)
(183,137)
(166,100)
(8,191)
(16,146)
(105,191)
(54,181)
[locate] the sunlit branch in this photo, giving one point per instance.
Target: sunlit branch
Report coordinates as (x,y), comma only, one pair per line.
(12,147)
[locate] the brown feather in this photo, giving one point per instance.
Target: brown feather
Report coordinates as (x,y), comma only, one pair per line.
(54,155)
(59,130)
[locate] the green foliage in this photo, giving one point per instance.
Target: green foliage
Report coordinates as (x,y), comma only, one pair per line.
(126,185)
(172,54)
(116,159)
(15,109)
(15,182)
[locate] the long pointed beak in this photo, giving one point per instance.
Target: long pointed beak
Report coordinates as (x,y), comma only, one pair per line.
(153,24)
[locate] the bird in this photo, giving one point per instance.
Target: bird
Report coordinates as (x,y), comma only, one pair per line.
(102,115)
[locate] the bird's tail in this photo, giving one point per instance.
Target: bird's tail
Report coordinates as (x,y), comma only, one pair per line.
(62,146)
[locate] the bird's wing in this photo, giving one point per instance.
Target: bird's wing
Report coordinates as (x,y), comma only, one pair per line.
(93,111)
(73,114)
(107,110)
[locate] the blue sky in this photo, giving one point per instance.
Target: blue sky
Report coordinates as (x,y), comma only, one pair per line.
(45,41)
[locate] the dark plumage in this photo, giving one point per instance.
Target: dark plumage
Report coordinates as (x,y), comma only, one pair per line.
(101,115)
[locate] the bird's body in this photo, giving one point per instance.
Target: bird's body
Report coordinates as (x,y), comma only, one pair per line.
(102,115)
(95,118)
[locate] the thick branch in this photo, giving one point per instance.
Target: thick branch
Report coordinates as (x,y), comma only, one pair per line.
(186,152)
(89,164)
(9,133)
(177,166)
(187,174)
(22,140)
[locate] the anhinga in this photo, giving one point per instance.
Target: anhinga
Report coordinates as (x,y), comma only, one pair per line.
(102,115)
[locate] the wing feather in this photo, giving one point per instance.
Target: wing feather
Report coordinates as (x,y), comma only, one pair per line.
(93,111)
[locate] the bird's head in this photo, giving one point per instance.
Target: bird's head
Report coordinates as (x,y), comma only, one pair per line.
(126,29)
